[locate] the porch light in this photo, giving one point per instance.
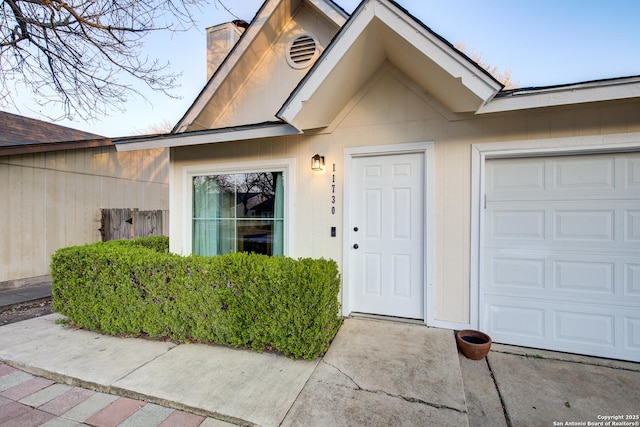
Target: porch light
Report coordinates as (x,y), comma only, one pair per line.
(317,162)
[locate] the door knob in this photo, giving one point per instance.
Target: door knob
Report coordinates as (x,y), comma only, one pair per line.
(356,246)
(355,228)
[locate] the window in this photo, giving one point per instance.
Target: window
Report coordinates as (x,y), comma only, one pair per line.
(241,212)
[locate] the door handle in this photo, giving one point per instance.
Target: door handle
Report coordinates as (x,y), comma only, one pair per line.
(356,246)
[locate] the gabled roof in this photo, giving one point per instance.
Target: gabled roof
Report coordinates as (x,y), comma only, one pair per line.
(21,135)
(261,32)
(379,31)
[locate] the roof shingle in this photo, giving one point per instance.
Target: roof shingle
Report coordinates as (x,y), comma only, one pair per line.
(20,130)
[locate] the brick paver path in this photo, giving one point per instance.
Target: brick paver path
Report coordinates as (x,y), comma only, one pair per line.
(27,400)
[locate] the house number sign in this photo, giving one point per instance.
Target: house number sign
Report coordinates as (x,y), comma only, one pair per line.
(333,190)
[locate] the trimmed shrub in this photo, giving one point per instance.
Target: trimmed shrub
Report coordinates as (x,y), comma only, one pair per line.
(157,243)
(243,300)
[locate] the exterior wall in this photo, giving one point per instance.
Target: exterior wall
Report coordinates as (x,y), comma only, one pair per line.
(391,110)
(52,200)
(255,96)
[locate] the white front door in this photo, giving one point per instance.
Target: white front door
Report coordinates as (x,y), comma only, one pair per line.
(386,235)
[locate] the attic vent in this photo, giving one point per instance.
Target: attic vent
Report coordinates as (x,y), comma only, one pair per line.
(303,50)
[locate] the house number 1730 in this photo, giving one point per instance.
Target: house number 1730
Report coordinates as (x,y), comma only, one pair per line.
(333,190)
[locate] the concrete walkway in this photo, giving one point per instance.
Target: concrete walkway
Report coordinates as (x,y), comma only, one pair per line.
(384,374)
(376,373)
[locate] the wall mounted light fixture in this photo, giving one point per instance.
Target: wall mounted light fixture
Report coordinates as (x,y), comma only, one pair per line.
(317,162)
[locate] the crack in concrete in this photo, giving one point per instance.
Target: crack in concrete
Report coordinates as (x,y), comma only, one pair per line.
(136,369)
(395,396)
(558,359)
(507,419)
(344,374)
(286,414)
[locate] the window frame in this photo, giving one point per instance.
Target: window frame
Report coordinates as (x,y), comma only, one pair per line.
(285,166)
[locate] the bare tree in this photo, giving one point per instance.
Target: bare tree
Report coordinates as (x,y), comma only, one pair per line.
(503,76)
(163,126)
(75,53)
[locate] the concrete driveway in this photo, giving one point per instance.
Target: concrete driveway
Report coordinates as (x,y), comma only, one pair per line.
(527,387)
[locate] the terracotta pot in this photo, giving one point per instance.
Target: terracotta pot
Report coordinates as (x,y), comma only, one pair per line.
(473,344)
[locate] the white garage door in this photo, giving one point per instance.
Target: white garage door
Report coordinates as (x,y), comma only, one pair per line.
(561,254)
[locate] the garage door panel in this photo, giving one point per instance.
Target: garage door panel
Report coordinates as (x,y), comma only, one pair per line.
(517,272)
(561,253)
(585,277)
(584,225)
(593,176)
(510,320)
(632,172)
(632,279)
(632,225)
(523,176)
(583,173)
(589,278)
(578,327)
(632,334)
(594,329)
(518,225)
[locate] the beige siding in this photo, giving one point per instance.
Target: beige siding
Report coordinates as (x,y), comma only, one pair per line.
(390,110)
(52,200)
(255,96)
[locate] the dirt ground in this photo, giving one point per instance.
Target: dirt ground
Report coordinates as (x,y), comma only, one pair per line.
(18,312)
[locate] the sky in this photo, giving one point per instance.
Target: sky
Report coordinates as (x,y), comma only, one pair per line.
(542,42)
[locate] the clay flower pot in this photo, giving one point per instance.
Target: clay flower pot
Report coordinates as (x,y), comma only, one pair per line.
(473,344)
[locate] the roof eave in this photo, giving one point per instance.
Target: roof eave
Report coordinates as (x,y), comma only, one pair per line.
(212,136)
(476,87)
(571,94)
(331,10)
(44,147)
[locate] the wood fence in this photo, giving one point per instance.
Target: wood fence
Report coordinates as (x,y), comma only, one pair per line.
(132,223)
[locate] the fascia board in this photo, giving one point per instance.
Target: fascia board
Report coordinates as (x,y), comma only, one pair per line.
(207,137)
(327,62)
(438,51)
(330,10)
(19,149)
(542,98)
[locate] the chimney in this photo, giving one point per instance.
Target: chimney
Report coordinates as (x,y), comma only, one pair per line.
(220,40)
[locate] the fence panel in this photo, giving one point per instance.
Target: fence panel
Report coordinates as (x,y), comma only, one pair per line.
(131,223)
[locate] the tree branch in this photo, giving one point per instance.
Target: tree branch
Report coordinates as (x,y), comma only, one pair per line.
(74,52)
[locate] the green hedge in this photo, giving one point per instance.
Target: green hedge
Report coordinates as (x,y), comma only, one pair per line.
(157,243)
(243,300)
